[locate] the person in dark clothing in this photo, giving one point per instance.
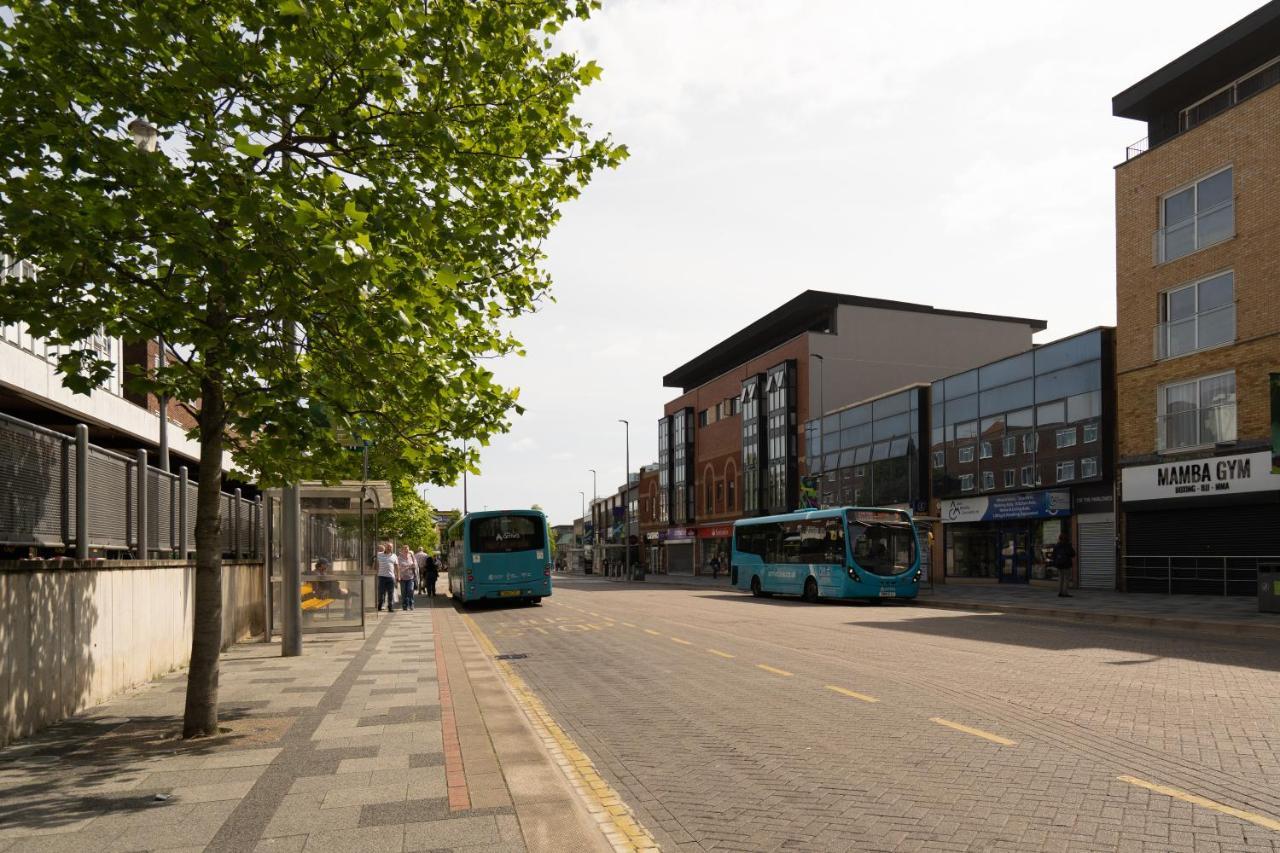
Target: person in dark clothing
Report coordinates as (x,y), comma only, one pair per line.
(433,575)
(1063,557)
(715,567)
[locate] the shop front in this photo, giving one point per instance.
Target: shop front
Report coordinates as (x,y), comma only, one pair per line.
(1201,526)
(713,543)
(678,547)
(1004,537)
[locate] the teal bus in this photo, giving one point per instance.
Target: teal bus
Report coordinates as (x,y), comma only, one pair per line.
(499,554)
(850,552)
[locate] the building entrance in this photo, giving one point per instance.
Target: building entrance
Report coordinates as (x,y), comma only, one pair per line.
(1014,556)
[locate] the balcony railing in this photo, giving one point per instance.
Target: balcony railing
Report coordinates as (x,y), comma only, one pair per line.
(1211,328)
(1189,574)
(1206,227)
(1200,427)
(1139,147)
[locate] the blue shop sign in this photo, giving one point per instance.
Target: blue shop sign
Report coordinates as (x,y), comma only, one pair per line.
(1046,504)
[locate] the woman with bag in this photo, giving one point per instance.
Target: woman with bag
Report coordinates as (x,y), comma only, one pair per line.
(407,572)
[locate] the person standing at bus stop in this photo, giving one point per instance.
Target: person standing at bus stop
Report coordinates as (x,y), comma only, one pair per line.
(407,573)
(1063,557)
(386,560)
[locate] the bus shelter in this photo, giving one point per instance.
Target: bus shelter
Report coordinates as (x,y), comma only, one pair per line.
(337,528)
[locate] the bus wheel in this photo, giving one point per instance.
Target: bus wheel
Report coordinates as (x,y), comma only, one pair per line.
(810,590)
(535,600)
(755,586)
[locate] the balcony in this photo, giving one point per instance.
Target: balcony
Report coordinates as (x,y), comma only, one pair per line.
(1211,328)
(1205,228)
(1193,428)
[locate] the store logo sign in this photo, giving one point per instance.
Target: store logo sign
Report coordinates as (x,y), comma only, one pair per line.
(1246,472)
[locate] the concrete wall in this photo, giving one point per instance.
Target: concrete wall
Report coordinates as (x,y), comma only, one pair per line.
(74,635)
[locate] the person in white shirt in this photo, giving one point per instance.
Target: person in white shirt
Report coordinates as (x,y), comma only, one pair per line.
(386,559)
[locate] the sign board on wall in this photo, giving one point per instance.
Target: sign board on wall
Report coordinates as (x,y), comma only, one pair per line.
(1222,475)
(1046,504)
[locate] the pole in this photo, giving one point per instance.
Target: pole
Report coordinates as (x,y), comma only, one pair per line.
(595,528)
(464,479)
(291,574)
(82,492)
(140,523)
(164,416)
(626,496)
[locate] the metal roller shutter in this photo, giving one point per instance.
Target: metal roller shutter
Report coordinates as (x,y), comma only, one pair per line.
(680,559)
(1097,559)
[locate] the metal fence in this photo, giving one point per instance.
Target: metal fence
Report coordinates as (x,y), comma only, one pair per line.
(1195,575)
(60,492)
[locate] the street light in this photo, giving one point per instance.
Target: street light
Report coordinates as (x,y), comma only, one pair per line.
(146,139)
(626,497)
(822,411)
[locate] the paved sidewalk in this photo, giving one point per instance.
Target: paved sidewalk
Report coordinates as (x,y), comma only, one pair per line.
(405,739)
(1229,616)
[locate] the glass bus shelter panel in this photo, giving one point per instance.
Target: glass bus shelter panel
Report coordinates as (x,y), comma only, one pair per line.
(330,601)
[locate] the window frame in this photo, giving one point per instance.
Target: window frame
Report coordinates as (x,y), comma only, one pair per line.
(1069,466)
(1062,433)
(1161,253)
(1164,321)
(1162,412)
(1010,478)
(967,478)
(962,451)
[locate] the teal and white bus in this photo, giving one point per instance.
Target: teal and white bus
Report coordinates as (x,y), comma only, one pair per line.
(500,554)
(850,552)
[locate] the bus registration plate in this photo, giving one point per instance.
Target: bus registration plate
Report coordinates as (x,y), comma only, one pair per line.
(508,592)
(888,592)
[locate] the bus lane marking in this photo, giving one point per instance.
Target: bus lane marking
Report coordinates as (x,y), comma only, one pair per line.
(774,670)
(1003,741)
(681,642)
(859,696)
(719,653)
(1251,817)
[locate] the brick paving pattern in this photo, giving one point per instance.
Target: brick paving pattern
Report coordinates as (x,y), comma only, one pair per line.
(714,753)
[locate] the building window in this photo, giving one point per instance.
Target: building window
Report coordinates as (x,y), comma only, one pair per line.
(1066,471)
(966,482)
(1197,413)
(939,459)
(988,480)
(1010,477)
(1090,433)
(984,451)
(1029,475)
(1197,316)
(966,453)
(710,503)
(702,418)
(731,488)
(1010,445)
(861,471)
(1089,467)
(1066,437)
(1030,442)
(1197,216)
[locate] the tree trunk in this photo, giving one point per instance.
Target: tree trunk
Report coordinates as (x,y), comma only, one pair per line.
(201,715)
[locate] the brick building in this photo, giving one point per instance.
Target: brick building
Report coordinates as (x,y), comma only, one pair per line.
(732,444)
(1198,314)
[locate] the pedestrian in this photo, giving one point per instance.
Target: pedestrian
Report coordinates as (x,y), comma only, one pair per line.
(407,572)
(420,557)
(386,560)
(433,575)
(1063,557)
(715,566)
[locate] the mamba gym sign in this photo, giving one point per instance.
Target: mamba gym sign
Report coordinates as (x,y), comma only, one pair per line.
(1222,475)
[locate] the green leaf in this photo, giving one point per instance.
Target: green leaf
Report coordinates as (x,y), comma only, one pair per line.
(244,146)
(292,9)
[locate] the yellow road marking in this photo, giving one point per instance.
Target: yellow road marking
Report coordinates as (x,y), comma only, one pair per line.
(720,653)
(843,692)
(593,613)
(651,631)
(613,816)
(768,668)
(1260,820)
(628,624)
(681,642)
(1003,741)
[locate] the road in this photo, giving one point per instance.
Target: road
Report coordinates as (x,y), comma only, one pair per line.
(733,723)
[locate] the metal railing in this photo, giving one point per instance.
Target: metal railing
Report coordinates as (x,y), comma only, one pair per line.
(1139,147)
(1205,228)
(1194,575)
(58,492)
(1200,427)
(1207,329)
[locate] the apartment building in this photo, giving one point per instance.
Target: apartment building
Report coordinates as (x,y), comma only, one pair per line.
(1198,314)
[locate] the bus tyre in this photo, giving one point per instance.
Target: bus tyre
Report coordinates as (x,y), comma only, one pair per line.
(535,600)
(810,590)
(755,586)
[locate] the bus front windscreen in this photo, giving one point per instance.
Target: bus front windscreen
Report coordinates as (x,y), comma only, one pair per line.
(504,534)
(883,542)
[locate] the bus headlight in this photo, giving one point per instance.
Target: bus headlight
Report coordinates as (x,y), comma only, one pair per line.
(853,575)
(916,577)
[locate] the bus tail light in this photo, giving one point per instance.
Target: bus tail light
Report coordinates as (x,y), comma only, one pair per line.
(546,570)
(471,578)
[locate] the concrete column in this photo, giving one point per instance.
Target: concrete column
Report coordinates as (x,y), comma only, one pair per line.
(182,487)
(82,492)
(140,523)
(291,574)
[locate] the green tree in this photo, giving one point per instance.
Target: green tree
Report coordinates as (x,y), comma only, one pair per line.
(411,520)
(347,201)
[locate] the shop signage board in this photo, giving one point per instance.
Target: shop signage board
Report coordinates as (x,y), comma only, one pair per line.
(678,533)
(715,531)
(1221,475)
(1045,504)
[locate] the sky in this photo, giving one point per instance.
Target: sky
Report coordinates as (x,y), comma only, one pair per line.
(954,154)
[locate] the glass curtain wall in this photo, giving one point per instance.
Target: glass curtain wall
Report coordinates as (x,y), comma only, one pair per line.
(866,454)
(682,510)
(782,468)
(752,445)
(663,509)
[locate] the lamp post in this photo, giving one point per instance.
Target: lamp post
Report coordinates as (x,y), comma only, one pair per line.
(822,411)
(626,497)
(146,139)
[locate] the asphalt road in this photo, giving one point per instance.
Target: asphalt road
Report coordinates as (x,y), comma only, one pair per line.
(733,723)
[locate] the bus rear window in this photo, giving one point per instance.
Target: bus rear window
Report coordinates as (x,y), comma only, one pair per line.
(502,534)
(882,546)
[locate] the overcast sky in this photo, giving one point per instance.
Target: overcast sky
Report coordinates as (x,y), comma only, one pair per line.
(954,154)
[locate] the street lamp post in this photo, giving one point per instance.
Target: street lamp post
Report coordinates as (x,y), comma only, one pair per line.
(822,411)
(146,139)
(626,497)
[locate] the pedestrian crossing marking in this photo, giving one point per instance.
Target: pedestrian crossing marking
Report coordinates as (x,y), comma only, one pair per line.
(1251,817)
(843,692)
(972,731)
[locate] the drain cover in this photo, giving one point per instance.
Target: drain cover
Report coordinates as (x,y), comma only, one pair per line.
(512,657)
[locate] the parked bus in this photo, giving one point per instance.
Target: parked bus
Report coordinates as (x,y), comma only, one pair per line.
(850,552)
(499,554)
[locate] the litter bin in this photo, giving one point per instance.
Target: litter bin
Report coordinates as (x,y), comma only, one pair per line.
(1269,588)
